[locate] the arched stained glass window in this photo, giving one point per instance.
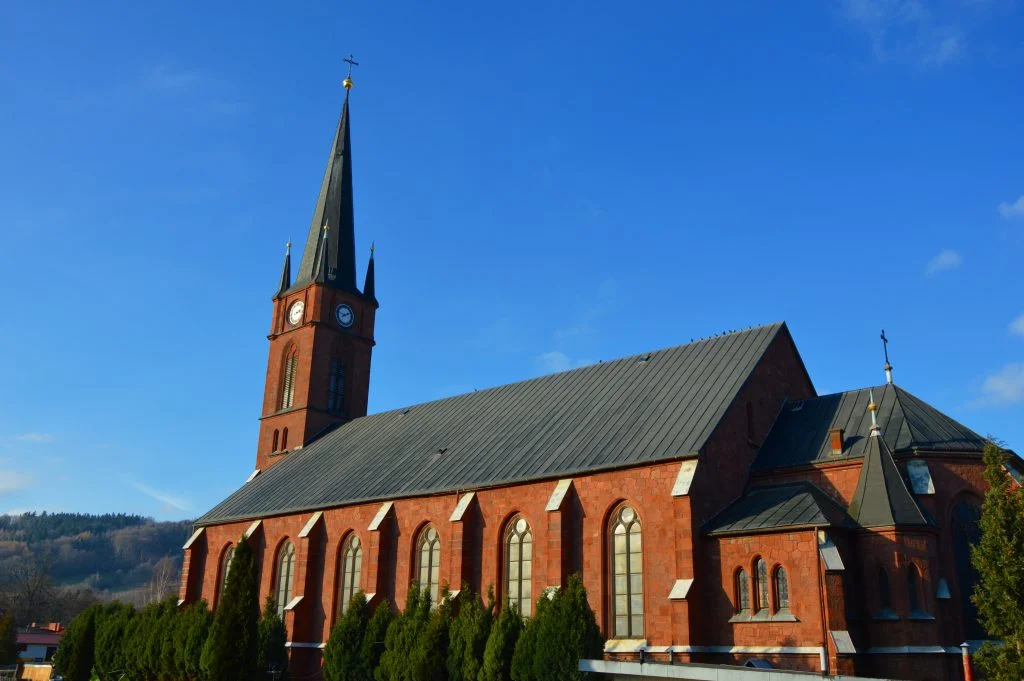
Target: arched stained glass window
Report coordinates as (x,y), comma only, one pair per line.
(627,574)
(351,569)
(285,576)
(884,599)
(291,365)
(225,568)
(966,514)
(761,588)
(428,562)
(519,566)
(742,591)
(913,582)
(781,589)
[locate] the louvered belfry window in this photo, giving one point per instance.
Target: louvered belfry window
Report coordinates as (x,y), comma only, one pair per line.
(627,574)
(519,568)
(285,576)
(428,563)
(351,571)
(288,387)
(336,393)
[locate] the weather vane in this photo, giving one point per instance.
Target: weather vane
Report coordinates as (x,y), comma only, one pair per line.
(350,60)
(885,349)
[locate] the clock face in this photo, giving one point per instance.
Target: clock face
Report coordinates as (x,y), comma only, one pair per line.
(295,312)
(345,316)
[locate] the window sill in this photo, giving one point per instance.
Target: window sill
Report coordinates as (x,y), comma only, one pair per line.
(921,616)
(784,615)
(887,615)
(624,645)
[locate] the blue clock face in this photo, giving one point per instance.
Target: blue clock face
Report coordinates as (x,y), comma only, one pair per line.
(345,316)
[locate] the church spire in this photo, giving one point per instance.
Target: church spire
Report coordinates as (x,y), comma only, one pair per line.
(334,206)
(369,290)
(286,271)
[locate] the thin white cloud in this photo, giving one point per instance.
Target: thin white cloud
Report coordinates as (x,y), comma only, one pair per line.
(555,361)
(1006,386)
(947,259)
(910,31)
(35,437)
(1017,326)
(13,481)
(170,501)
(1013,210)
(167,78)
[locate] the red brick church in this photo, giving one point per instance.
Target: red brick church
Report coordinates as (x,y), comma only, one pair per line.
(718,508)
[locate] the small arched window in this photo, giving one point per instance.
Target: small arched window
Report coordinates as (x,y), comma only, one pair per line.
(761,586)
(428,562)
(285,576)
(225,568)
(519,566)
(336,388)
(291,365)
(884,599)
(277,436)
(284,439)
(627,576)
(742,591)
(913,586)
(781,589)
(351,569)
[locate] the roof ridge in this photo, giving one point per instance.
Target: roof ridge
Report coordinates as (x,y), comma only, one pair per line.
(910,428)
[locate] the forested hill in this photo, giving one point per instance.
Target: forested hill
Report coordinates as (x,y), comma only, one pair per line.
(90,556)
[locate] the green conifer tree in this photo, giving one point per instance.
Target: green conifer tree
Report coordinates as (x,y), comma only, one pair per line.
(77,650)
(999,560)
(230,650)
(8,639)
(272,655)
(373,641)
(429,660)
(403,637)
(343,660)
(566,634)
(189,636)
(501,645)
(111,628)
(468,635)
(526,646)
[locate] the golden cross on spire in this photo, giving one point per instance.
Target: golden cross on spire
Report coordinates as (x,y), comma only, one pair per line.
(350,60)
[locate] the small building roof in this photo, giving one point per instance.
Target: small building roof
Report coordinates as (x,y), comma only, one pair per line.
(658,406)
(779,507)
(882,498)
(800,435)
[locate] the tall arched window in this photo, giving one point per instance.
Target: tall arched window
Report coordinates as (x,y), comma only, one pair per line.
(225,568)
(284,438)
(913,582)
(351,569)
(761,585)
(277,437)
(519,566)
(742,591)
(627,574)
(966,515)
(285,576)
(336,388)
(884,599)
(428,562)
(781,589)
(291,365)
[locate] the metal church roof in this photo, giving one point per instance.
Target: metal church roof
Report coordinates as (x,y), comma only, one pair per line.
(653,407)
(801,433)
(778,507)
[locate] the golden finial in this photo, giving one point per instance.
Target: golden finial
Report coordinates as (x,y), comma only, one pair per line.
(326,227)
(872,407)
(348,78)
(288,247)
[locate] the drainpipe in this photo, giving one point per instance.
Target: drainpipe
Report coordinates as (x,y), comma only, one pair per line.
(965,651)
(823,655)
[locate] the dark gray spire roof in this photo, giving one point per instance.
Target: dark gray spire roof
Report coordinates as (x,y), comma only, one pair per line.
(286,272)
(882,498)
(369,288)
(800,434)
(333,207)
(659,406)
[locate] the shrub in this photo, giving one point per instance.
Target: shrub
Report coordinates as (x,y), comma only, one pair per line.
(566,633)
(468,635)
(231,648)
(501,645)
(343,659)
(373,641)
(76,653)
(271,636)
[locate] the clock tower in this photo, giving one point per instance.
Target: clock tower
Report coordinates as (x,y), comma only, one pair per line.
(321,333)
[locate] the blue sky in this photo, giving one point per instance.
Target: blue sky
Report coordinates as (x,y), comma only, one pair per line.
(548,185)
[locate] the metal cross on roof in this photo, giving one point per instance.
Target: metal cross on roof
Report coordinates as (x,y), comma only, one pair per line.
(885,349)
(350,60)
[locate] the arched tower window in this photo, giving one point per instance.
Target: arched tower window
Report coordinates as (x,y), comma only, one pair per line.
(285,576)
(225,568)
(884,598)
(627,576)
(336,388)
(761,585)
(351,569)
(913,589)
(277,436)
(966,515)
(428,562)
(284,439)
(519,566)
(781,589)
(291,365)
(742,591)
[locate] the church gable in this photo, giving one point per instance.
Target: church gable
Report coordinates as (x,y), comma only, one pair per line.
(642,409)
